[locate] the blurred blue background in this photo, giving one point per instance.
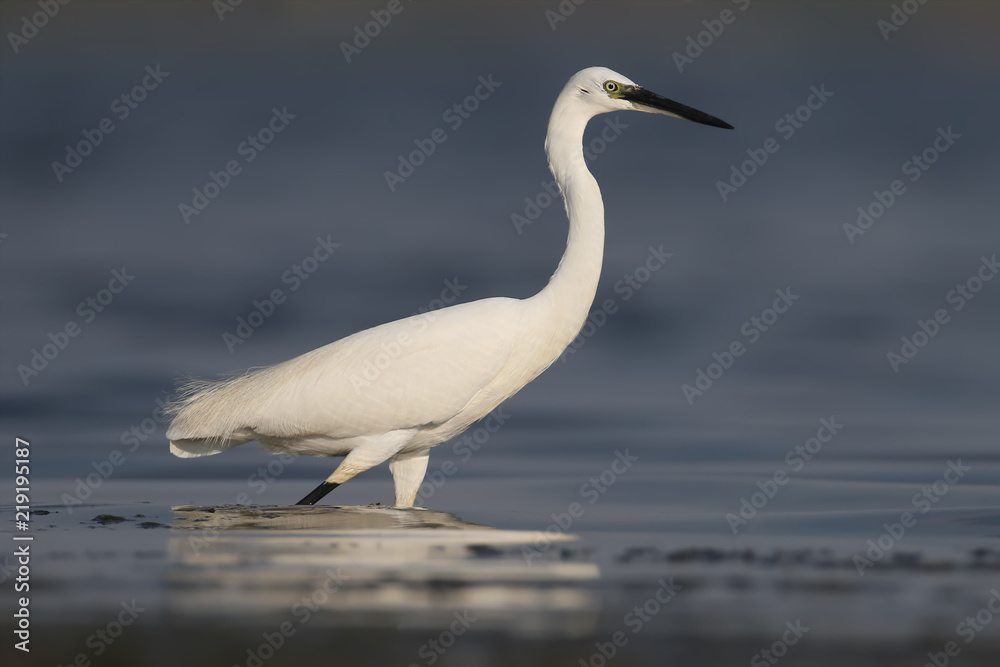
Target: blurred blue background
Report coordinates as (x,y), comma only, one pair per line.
(323,176)
(220,78)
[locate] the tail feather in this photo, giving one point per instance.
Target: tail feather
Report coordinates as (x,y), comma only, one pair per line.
(203,422)
(188,449)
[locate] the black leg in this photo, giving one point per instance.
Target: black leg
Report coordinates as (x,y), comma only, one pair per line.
(317,494)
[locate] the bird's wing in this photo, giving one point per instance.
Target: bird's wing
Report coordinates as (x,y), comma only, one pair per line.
(422,370)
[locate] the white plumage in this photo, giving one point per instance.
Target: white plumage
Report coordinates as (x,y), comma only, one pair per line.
(394,391)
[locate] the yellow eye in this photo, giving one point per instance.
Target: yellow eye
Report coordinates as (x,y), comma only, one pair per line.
(611,86)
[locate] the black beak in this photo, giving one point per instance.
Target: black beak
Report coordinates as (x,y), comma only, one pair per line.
(644,100)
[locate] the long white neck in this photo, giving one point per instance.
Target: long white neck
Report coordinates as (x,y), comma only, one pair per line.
(571,290)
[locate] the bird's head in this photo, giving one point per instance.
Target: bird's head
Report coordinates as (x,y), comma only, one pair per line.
(605,90)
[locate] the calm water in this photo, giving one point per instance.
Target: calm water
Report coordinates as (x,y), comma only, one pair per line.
(756,489)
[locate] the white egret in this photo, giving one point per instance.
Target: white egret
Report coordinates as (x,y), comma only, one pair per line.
(394,391)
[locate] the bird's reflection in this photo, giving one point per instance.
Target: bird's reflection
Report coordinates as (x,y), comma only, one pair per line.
(365,566)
